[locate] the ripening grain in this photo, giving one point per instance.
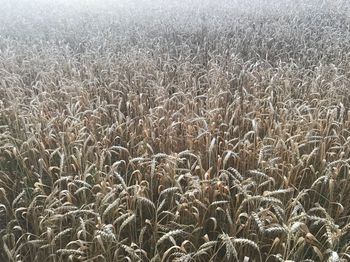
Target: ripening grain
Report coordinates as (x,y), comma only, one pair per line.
(175,131)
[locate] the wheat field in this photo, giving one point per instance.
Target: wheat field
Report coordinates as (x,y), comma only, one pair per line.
(175,131)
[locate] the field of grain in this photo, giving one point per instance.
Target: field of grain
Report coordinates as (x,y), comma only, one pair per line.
(175,131)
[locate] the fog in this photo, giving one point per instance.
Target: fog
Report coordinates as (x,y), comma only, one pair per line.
(23,18)
(41,12)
